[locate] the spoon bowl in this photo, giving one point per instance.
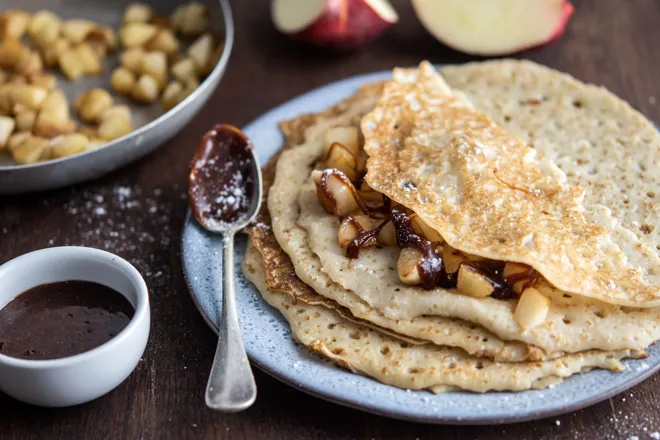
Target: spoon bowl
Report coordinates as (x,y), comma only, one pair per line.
(225,191)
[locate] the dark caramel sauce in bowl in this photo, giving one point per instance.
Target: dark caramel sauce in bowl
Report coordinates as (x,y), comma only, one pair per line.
(58,320)
(74,324)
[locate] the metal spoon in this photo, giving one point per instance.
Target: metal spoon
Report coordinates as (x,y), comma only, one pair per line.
(225,195)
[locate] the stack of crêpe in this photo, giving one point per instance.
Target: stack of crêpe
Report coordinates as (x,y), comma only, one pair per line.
(491,226)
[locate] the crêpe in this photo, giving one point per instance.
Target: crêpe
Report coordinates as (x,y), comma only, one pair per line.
(318,286)
(489,193)
(574,324)
(367,351)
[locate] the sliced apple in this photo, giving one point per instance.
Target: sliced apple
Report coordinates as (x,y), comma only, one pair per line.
(494,27)
(336,24)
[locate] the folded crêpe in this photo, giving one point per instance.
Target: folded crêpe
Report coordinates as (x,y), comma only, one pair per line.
(364,350)
(358,313)
(489,193)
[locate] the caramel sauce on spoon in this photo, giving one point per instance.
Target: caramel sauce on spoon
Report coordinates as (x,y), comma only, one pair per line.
(222,179)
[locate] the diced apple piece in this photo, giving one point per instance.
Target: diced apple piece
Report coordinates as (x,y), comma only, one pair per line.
(27,95)
(25,120)
(408,266)
(513,269)
(70,65)
(31,150)
(117,110)
(136,34)
(44,28)
(164,41)
(30,65)
(532,308)
(77,30)
(45,80)
(52,53)
(155,65)
(68,145)
(334,24)
(341,200)
(349,137)
(348,230)
(493,27)
(137,13)
(114,127)
(7,126)
(146,89)
(387,235)
(53,119)
(215,57)
(132,59)
(13,53)
(122,81)
(184,70)
(201,50)
(190,19)
(340,158)
(472,282)
(451,258)
(14,23)
(171,95)
(92,103)
(88,59)
(16,139)
(102,39)
(420,227)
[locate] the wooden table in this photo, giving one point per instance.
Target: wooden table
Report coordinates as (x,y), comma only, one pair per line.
(138,213)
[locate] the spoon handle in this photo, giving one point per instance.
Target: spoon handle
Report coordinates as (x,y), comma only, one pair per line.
(231,384)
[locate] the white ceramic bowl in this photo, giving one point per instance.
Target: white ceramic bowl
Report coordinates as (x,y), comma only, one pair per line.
(86,376)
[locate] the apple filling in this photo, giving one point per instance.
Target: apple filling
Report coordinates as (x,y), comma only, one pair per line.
(368,219)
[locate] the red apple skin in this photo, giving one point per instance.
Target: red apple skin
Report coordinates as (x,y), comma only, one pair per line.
(567,12)
(345,24)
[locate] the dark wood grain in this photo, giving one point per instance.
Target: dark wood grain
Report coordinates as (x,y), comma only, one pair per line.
(138,213)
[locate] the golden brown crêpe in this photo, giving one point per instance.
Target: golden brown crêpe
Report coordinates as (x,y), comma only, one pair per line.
(374,295)
(372,291)
(365,350)
(489,194)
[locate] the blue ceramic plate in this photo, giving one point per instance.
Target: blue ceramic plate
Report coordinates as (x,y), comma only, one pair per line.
(270,345)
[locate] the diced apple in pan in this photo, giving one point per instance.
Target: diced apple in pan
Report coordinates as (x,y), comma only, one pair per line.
(493,27)
(336,24)
(7,126)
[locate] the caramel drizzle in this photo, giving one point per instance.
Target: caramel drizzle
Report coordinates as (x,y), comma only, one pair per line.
(530,278)
(431,266)
(364,238)
(329,202)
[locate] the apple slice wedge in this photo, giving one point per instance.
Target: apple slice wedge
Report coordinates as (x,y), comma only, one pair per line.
(494,27)
(336,24)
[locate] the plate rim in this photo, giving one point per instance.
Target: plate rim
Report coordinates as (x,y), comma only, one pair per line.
(366,406)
